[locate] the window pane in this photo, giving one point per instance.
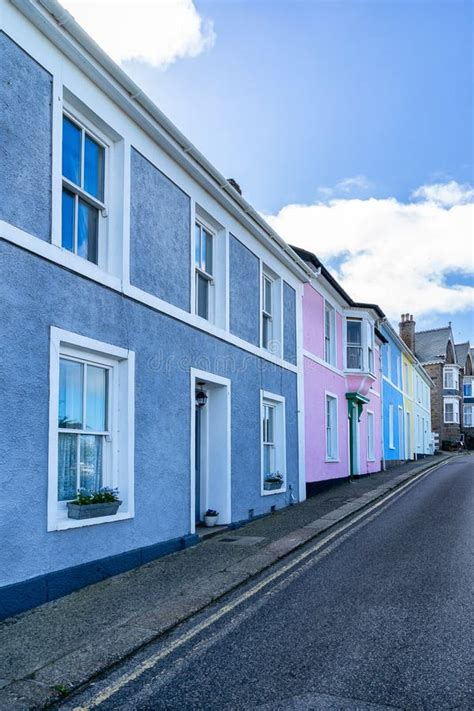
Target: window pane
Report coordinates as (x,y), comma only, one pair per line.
(270,422)
(354,332)
(266,331)
(91,462)
(267,296)
(94,168)
(87,232)
(96,399)
(71,151)
(268,467)
(354,357)
(70,394)
(208,256)
(202,297)
(197,246)
(67,221)
(67,466)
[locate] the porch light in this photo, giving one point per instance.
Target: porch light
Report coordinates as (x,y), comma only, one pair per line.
(201,397)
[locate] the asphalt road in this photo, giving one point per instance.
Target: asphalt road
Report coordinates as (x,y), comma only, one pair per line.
(380,618)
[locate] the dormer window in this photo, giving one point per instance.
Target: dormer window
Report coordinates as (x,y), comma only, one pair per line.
(354,344)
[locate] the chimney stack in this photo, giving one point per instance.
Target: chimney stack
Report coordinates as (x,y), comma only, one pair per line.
(407,331)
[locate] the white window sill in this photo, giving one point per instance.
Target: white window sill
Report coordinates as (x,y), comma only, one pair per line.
(63,522)
(371,460)
(331,460)
(271,492)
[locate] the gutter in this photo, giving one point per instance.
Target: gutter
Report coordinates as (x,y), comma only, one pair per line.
(135,94)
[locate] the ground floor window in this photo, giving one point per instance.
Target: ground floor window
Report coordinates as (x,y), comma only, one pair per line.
(391,442)
(370,436)
(468,415)
(451,410)
(273,440)
(91,424)
(332,453)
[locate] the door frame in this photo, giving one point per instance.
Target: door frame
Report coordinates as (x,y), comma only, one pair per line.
(210,379)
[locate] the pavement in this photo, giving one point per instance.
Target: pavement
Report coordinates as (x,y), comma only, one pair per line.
(379,617)
(49,651)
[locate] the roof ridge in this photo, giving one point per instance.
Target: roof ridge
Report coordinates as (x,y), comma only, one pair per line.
(430,330)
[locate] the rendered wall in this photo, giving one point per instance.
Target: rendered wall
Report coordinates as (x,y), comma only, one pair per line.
(160,259)
(25,144)
(289,323)
(244,292)
(35,294)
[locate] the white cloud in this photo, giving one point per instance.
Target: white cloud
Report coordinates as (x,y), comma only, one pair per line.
(391,253)
(154,31)
(445,194)
(346,186)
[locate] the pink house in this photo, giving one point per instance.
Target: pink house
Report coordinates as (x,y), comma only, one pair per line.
(342,377)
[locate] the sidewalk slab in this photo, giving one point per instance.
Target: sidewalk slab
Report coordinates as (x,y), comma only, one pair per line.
(41,649)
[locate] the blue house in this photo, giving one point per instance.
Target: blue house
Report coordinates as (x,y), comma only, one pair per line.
(149,331)
(393,416)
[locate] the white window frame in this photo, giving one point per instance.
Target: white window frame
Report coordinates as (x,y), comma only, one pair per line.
(219,279)
(450,371)
(468,410)
(399,371)
(274,317)
(455,404)
(199,272)
(370,436)
(331,428)
(113,215)
(391,436)
(119,467)
(330,338)
(389,361)
(401,445)
(277,402)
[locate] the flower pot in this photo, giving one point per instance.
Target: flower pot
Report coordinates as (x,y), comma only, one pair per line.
(210,520)
(81,511)
(272,485)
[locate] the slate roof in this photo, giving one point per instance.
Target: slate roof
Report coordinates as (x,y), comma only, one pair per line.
(462,350)
(431,345)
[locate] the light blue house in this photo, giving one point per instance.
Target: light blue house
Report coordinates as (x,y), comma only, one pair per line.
(393,416)
(150,336)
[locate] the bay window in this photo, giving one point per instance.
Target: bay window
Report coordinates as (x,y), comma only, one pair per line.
(450,378)
(451,410)
(354,344)
(468,415)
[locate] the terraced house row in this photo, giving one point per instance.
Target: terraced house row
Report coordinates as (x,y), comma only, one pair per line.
(158,338)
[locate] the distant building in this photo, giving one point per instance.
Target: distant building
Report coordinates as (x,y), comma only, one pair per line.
(436,352)
(465,357)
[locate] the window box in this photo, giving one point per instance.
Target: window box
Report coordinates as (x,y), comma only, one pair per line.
(273,484)
(82,511)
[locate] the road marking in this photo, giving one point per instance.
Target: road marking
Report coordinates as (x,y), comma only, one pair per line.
(149,663)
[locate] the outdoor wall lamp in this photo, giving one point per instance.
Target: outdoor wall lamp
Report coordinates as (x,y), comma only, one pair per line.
(201,397)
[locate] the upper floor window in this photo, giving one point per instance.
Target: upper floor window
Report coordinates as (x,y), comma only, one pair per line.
(267,310)
(354,344)
(450,378)
(399,373)
(406,374)
(389,361)
(329,334)
(370,348)
(468,387)
(204,270)
(83,190)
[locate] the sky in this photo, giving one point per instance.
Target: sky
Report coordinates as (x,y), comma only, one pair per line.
(347,123)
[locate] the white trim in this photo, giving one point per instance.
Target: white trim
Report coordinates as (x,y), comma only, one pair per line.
(91,271)
(333,340)
(392,384)
(327,459)
(122,423)
(320,361)
(197,375)
(371,458)
(280,427)
(300,396)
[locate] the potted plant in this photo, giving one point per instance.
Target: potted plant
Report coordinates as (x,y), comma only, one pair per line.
(91,504)
(210,517)
(273,481)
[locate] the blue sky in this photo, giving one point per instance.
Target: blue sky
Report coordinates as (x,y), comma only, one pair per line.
(350,104)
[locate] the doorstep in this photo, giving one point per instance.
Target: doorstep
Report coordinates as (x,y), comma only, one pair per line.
(206,532)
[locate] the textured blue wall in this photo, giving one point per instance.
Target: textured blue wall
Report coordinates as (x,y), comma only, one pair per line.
(391,395)
(244,290)
(159,234)
(36,294)
(25,141)
(289,323)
